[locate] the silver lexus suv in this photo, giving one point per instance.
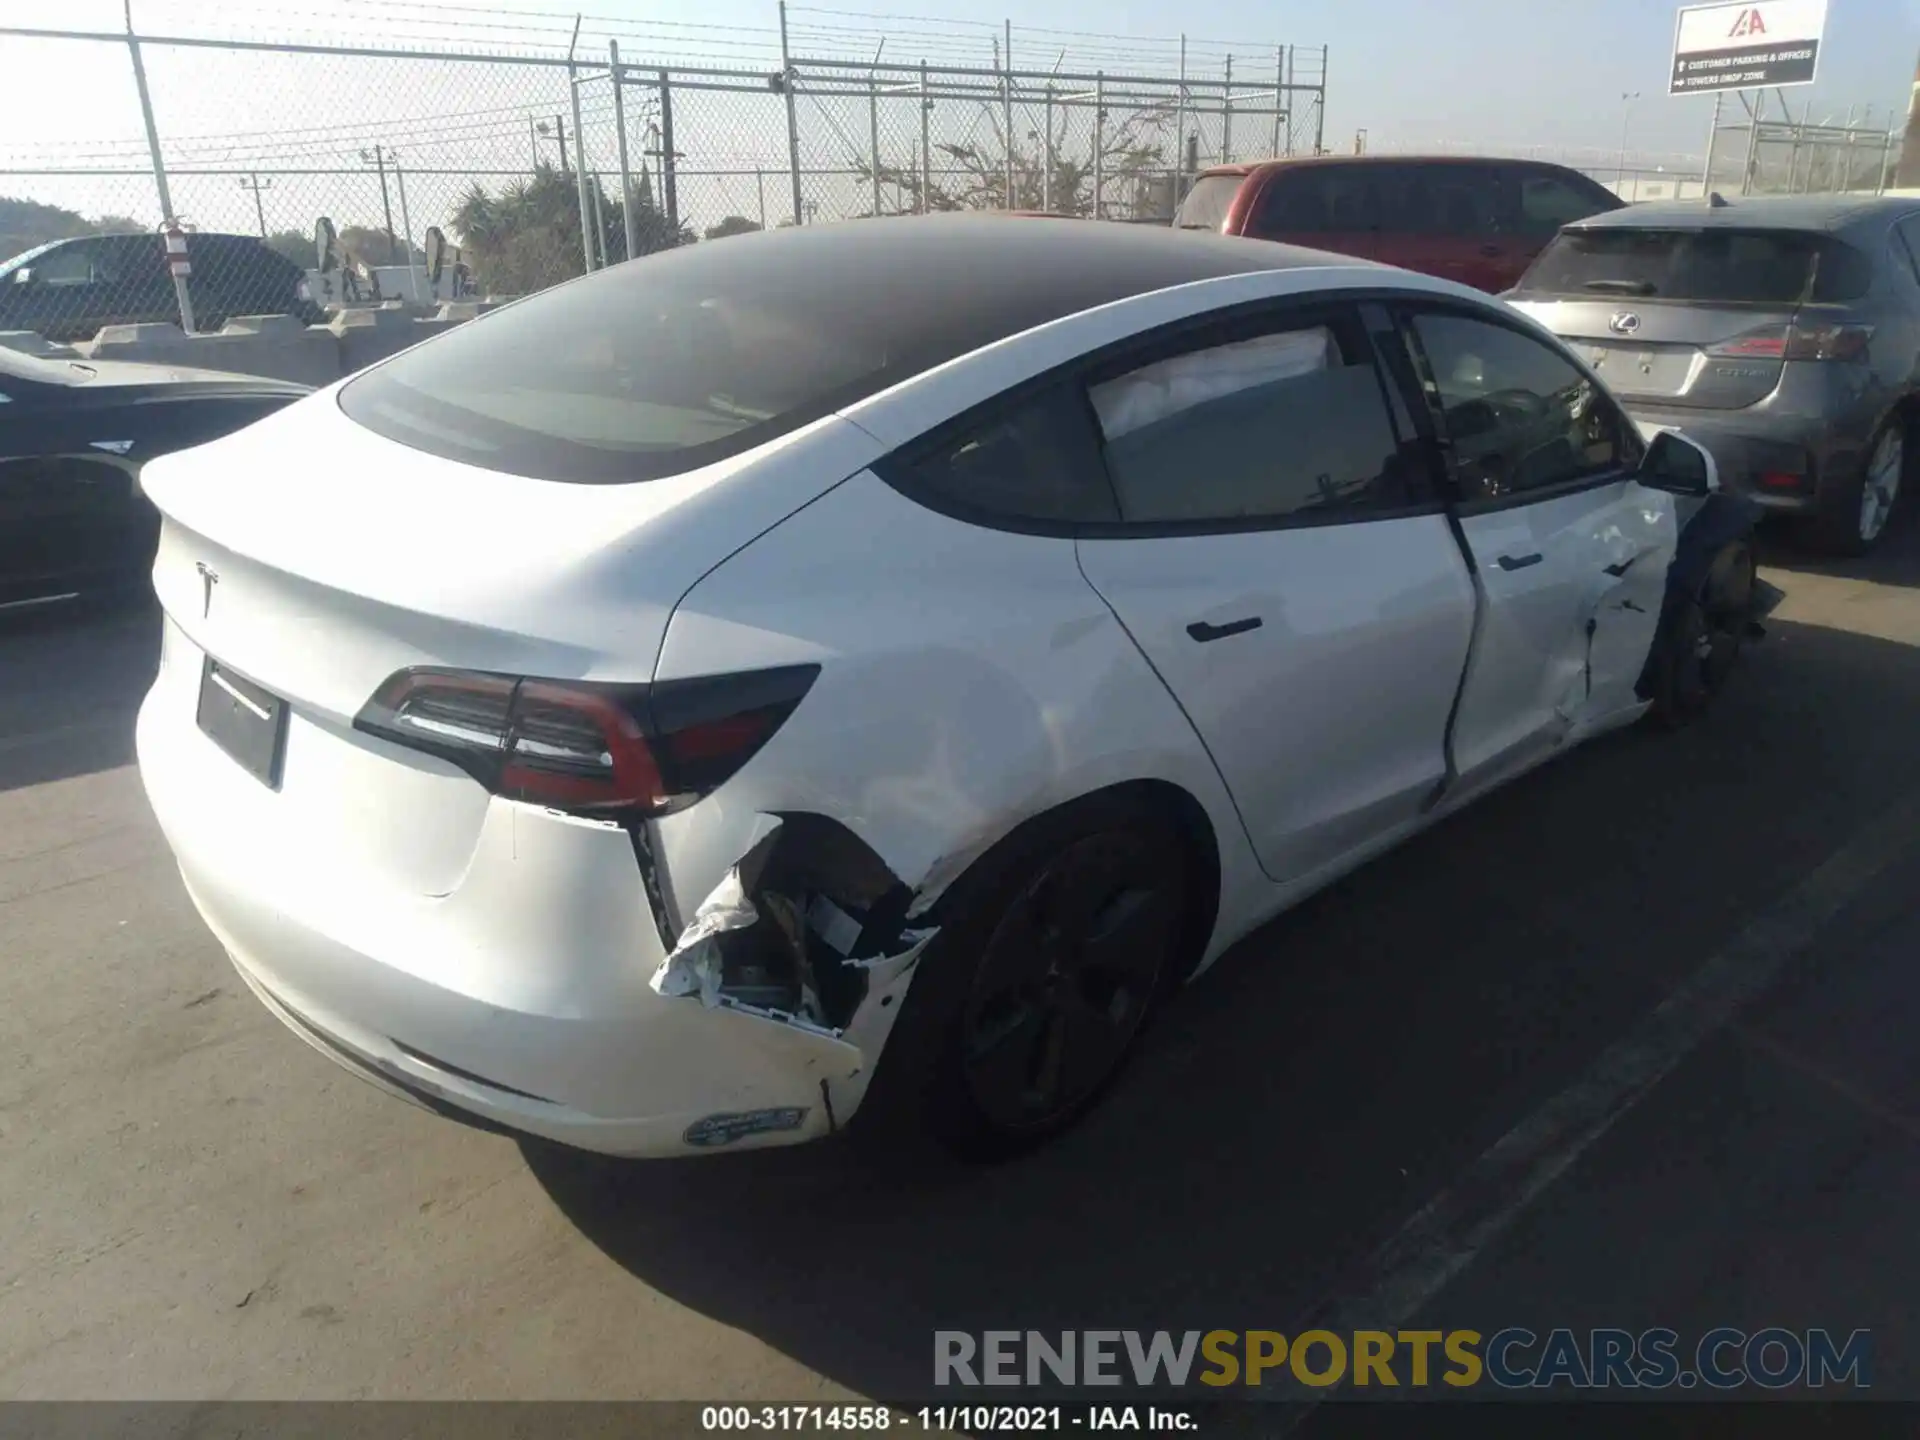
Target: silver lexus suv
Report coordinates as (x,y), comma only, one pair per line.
(1782,332)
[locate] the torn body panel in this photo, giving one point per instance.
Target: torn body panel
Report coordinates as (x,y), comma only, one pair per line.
(809,928)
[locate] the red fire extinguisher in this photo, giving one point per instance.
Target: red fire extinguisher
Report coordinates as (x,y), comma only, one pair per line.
(179,266)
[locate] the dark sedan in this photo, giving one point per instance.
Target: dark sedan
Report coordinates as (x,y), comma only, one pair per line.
(73,437)
(1783,332)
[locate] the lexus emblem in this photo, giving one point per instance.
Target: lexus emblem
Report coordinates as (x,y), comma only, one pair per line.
(209,578)
(1624,323)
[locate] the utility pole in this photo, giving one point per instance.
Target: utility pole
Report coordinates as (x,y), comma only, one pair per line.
(153,130)
(256,185)
(378,157)
(557,129)
(1626,119)
(793,116)
(1713,143)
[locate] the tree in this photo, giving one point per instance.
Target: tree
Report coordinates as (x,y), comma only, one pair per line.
(27,223)
(731,225)
(296,245)
(1131,152)
(527,236)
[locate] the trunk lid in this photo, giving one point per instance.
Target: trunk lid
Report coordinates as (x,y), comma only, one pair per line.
(317,557)
(1663,351)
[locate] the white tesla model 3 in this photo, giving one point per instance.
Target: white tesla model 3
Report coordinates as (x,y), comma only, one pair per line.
(851,674)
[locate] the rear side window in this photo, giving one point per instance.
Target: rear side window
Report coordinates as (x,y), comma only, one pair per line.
(1715,266)
(1441,200)
(1546,201)
(1208,202)
(1289,425)
(1319,200)
(1037,461)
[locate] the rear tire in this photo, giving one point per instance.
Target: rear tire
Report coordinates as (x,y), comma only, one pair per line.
(1855,517)
(1055,951)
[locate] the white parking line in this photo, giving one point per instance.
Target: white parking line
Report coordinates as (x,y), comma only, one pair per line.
(1452,1229)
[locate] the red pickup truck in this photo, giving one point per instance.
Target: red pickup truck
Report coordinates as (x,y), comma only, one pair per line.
(1477,221)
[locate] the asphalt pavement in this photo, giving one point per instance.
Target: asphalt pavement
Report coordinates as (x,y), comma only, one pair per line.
(193,1204)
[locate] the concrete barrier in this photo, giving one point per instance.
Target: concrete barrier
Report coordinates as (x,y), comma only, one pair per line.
(29,342)
(278,346)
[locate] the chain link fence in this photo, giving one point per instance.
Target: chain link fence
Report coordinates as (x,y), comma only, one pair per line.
(535,168)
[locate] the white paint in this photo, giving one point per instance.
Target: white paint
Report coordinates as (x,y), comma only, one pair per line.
(1295,713)
(970,679)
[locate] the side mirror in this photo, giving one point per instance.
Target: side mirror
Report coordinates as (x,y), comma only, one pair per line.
(1679,466)
(23,276)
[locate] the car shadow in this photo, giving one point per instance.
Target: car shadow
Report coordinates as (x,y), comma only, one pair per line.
(1894,561)
(71,682)
(1332,1072)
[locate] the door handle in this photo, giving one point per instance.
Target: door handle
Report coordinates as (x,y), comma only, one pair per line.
(1616,571)
(1205,633)
(1491,251)
(1518,562)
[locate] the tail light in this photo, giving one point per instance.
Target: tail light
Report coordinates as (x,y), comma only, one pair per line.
(1801,340)
(588,748)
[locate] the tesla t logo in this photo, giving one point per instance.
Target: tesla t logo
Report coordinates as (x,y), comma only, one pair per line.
(1751,22)
(1625,323)
(208,579)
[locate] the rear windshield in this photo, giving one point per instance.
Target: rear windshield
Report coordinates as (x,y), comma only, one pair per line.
(1712,266)
(605,382)
(670,362)
(1208,202)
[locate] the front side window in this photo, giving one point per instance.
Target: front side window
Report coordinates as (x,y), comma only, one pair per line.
(68,265)
(1519,417)
(1290,425)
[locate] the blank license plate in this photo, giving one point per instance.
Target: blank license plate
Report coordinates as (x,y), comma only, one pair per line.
(249,723)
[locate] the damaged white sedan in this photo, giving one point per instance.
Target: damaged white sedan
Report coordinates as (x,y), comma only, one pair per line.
(850,675)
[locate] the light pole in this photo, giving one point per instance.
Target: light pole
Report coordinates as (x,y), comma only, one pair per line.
(1626,118)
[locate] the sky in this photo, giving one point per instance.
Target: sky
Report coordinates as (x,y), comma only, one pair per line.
(1453,74)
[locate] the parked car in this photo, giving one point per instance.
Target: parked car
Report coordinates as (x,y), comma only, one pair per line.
(1480,222)
(1783,332)
(73,438)
(853,673)
(67,289)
